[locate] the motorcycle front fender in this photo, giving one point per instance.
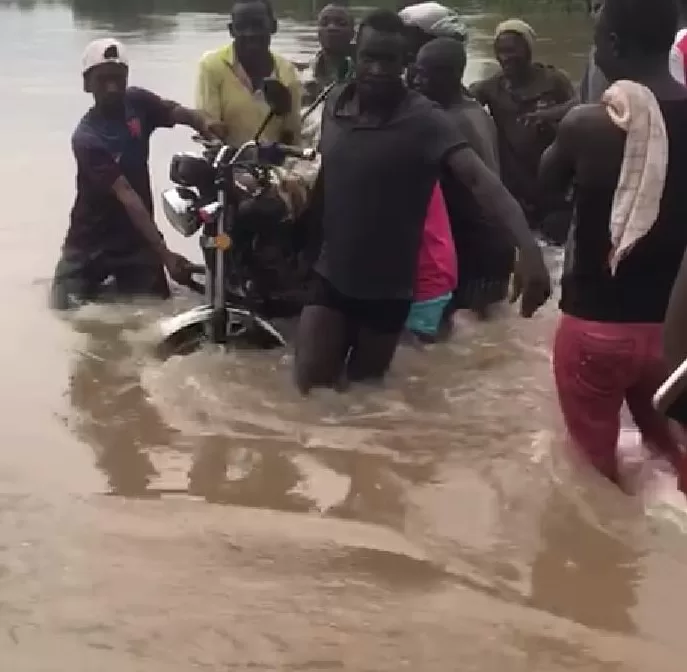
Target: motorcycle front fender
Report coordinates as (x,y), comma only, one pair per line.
(175,331)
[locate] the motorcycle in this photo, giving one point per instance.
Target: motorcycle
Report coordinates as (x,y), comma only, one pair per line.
(216,193)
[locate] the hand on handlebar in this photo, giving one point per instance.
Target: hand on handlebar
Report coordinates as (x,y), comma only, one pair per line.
(213,130)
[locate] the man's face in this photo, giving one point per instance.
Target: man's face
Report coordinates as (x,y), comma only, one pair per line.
(107,83)
(432,79)
(380,61)
(512,53)
(335,29)
(251,28)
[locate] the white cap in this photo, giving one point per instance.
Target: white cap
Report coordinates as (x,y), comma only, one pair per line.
(105,50)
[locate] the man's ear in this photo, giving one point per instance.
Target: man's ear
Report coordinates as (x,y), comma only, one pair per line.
(87,83)
(230,25)
(274,25)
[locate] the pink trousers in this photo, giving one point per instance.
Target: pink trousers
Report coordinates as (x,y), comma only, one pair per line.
(598,366)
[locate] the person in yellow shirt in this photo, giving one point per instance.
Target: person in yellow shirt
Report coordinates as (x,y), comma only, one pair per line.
(230,79)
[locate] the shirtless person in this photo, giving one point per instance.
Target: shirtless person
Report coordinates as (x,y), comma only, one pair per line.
(608,345)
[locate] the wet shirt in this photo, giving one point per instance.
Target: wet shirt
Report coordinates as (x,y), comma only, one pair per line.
(325,72)
(376,183)
(106,149)
(521,146)
(482,246)
(478,129)
(640,289)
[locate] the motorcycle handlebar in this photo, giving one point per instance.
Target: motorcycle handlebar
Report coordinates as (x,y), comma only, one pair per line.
(307,154)
(273,152)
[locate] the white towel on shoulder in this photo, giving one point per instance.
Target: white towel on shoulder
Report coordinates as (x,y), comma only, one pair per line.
(637,197)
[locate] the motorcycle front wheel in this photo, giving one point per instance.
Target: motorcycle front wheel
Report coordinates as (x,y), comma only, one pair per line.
(189,332)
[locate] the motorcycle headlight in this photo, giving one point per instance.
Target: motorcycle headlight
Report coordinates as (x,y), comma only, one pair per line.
(179,205)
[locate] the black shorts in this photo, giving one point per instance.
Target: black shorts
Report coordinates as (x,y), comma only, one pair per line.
(387,316)
(79,276)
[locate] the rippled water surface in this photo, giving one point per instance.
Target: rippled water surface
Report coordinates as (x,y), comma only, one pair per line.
(199,515)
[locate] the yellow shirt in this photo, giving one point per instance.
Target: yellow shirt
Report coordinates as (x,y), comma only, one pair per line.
(223,93)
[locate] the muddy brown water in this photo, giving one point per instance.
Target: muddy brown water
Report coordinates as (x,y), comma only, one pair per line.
(431,525)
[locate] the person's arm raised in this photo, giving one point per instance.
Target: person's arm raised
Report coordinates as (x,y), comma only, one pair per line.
(500,207)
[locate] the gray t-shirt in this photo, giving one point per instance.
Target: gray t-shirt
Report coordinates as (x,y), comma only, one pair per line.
(479,130)
(376,184)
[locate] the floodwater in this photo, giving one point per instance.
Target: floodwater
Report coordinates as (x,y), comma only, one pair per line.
(434,525)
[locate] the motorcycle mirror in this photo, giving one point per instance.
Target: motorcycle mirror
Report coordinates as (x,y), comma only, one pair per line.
(278,97)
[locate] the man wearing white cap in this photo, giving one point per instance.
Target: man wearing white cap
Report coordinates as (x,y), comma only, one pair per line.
(111,231)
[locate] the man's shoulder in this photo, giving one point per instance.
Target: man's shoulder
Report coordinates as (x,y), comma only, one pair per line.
(488,84)
(214,58)
(421,110)
(584,124)
(555,76)
(418,105)
(85,134)
(334,96)
(136,96)
(285,68)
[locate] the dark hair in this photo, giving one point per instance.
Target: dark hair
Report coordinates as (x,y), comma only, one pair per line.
(645,26)
(383,21)
(267,4)
(446,52)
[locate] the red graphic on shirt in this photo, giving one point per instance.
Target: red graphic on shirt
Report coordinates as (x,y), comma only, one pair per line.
(134,127)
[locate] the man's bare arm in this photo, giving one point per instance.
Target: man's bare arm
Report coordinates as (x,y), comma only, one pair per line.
(139,215)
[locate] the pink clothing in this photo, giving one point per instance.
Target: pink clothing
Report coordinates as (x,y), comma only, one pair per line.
(597,367)
(437,272)
(678,57)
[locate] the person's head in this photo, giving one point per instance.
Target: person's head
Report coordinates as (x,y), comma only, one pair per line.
(439,69)
(426,21)
(252,25)
(105,69)
(335,29)
(513,45)
(634,37)
(380,55)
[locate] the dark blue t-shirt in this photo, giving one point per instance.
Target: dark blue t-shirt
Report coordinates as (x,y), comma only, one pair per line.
(106,149)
